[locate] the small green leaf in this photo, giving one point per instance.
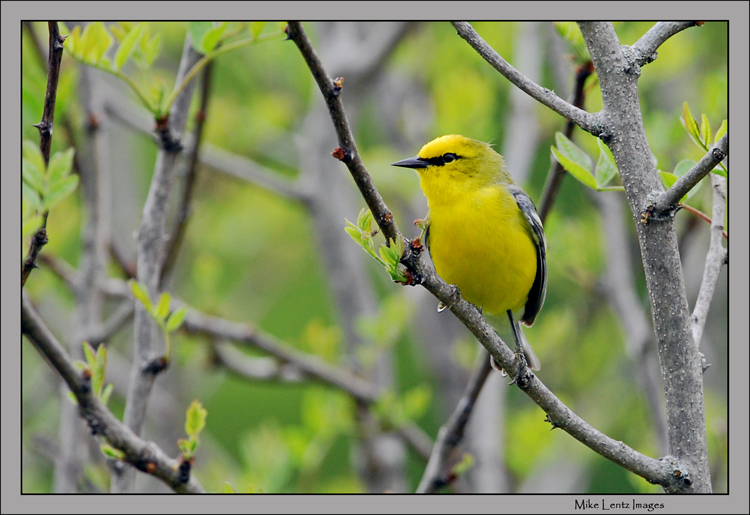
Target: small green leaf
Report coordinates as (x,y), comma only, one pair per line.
(198,29)
(605,166)
(467,461)
(196,419)
(176,318)
(570,32)
(107,393)
(574,169)
(89,353)
(95,42)
(33,153)
(127,45)
(691,126)
(256,28)
(59,190)
(162,307)
(139,292)
(668,179)
(706,135)
(31,225)
(73,42)
(722,130)
(111,452)
(151,49)
(100,370)
(212,37)
(719,171)
(60,165)
(226,488)
(33,176)
(251,489)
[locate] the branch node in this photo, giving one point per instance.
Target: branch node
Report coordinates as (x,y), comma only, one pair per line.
(338,85)
(718,154)
(183,471)
(342,155)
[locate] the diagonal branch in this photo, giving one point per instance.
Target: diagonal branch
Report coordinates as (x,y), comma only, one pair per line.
(645,48)
(587,121)
(143,455)
(669,199)
(439,472)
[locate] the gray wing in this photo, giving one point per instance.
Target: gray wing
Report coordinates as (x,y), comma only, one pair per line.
(539,289)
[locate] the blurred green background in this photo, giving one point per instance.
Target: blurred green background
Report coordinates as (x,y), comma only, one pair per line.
(254,256)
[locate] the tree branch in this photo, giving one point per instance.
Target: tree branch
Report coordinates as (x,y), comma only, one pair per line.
(143,455)
(667,201)
(714,259)
(678,354)
(39,239)
(587,121)
(644,50)
(151,248)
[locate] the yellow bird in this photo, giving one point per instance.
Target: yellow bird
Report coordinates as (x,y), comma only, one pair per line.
(484,234)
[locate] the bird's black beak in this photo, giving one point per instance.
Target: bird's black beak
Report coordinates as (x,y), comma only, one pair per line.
(412,162)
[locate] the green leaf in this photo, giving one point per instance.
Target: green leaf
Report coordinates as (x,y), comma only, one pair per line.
(95,42)
(73,42)
(570,32)
(176,319)
(111,452)
(691,126)
(467,461)
(100,369)
(107,393)
(706,131)
(196,419)
(127,45)
(151,49)
(139,292)
(212,37)
(256,28)
(575,169)
(60,165)
(89,353)
(719,171)
(59,190)
(668,179)
(33,154)
(31,225)
(226,488)
(605,166)
(162,307)
(722,130)
(198,30)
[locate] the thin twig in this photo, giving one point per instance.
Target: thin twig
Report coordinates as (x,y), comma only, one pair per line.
(438,472)
(645,47)
(39,239)
(714,259)
(555,177)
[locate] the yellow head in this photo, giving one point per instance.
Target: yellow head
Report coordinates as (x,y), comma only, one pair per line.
(451,164)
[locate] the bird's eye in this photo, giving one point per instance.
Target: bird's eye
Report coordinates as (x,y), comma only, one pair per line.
(449,158)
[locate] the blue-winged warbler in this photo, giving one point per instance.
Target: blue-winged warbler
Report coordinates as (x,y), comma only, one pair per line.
(484,233)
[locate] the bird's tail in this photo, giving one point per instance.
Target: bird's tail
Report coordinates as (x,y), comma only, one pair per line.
(531,359)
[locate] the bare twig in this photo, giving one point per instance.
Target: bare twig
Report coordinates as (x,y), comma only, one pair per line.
(714,259)
(439,469)
(141,454)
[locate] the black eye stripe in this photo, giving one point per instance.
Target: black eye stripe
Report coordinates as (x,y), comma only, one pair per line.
(442,160)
